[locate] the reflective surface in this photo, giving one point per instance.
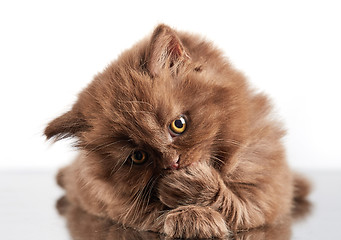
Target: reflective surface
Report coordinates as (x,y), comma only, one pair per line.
(28,210)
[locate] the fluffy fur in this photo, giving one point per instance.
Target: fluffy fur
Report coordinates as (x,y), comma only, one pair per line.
(231,171)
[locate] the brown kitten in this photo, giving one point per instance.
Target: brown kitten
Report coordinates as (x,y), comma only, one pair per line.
(173,140)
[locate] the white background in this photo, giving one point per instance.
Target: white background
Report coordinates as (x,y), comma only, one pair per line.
(50,50)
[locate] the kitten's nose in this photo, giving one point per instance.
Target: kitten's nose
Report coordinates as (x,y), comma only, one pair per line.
(173,163)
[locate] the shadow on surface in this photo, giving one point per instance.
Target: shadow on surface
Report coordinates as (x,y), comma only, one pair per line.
(83,226)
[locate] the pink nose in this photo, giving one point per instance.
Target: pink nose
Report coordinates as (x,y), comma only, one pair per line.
(174,166)
(174,163)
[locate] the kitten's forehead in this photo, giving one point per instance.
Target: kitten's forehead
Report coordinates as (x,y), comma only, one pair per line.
(143,122)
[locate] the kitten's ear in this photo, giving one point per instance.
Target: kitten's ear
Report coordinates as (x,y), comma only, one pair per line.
(165,50)
(67,125)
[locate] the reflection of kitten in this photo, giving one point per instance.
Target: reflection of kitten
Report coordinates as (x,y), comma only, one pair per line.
(173,140)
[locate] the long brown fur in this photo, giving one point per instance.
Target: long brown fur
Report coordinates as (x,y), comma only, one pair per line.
(232,174)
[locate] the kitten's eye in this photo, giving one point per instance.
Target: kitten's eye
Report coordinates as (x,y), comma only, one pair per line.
(139,157)
(178,126)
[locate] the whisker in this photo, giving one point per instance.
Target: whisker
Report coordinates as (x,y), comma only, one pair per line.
(150,188)
(114,168)
(216,159)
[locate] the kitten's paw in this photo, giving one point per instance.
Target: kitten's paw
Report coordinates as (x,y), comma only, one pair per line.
(195,185)
(195,222)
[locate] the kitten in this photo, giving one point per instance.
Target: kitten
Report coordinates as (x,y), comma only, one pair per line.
(173,140)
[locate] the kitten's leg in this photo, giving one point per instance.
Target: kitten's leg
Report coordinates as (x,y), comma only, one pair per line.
(241,212)
(194,222)
(243,205)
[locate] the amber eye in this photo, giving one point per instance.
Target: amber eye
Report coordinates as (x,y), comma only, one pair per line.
(138,157)
(178,126)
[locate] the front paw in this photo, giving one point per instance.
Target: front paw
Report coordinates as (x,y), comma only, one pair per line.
(199,185)
(195,222)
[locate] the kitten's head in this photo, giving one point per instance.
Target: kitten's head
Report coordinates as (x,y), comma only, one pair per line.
(168,102)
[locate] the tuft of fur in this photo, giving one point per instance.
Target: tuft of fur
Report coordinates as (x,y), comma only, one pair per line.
(232,174)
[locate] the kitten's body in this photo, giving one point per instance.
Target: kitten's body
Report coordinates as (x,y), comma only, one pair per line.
(226,171)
